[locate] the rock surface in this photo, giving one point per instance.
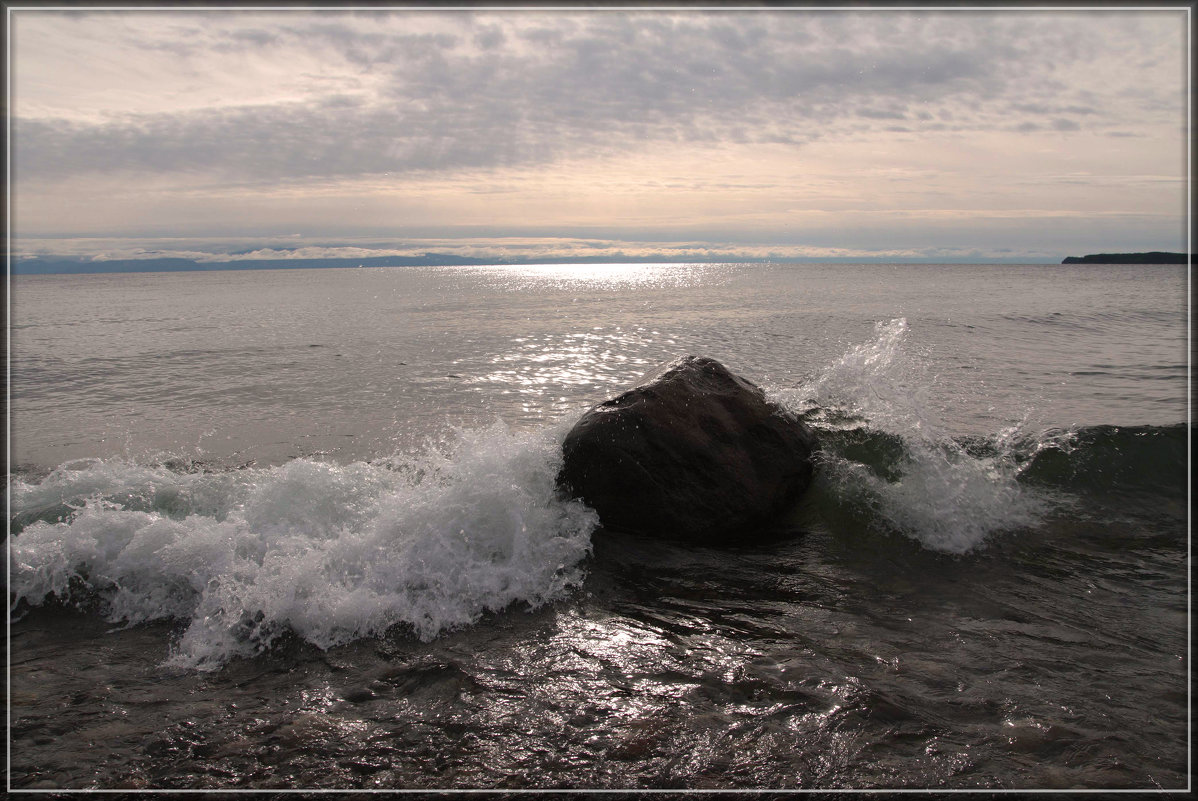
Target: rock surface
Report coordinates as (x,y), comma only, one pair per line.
(695,453)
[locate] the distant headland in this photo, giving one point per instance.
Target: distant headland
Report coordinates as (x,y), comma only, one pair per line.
(1155,257)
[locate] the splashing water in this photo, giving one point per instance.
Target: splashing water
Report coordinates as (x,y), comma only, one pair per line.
(939,493)
(332,553)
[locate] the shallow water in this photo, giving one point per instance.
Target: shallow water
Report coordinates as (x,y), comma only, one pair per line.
(299,530)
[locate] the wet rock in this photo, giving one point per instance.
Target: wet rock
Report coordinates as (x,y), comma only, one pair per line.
(695,453)
(358,695)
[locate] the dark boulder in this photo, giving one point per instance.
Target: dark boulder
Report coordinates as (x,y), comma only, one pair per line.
(694,453)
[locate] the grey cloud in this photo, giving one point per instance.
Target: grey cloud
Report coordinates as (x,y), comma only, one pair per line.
(881,114)
(1047,109)
(489,37)
(519,89)
(543,36)
(248,39)
(266,142)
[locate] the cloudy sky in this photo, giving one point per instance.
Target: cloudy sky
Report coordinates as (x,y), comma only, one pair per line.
(1020,134)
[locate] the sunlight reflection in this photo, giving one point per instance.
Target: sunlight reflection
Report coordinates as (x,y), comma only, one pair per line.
(560,368)
(598,276)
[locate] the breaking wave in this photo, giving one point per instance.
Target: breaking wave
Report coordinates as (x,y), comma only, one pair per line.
(332,553)
(884,452)
(433,540)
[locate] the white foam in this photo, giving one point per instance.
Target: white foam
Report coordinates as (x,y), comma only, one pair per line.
(330,552)
(944,497)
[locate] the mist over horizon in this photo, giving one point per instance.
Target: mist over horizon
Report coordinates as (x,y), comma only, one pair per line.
(109,255)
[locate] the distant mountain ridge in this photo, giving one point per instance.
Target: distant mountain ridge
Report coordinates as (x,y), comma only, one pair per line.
(1153,257)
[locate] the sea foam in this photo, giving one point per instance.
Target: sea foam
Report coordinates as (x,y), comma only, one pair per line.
(330,552)
(941,494)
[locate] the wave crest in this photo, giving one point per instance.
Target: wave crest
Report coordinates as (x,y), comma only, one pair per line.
(914,476)
(332,553)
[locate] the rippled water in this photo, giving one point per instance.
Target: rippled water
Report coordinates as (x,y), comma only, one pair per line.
(298,529)
(269,365)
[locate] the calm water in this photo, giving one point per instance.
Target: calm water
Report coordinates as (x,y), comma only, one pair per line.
(299,529)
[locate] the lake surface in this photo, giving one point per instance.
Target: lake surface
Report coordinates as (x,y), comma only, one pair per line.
(299,529)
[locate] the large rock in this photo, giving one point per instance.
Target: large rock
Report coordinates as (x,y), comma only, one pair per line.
(695,453)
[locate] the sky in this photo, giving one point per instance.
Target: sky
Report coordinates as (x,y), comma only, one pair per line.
(1017,134)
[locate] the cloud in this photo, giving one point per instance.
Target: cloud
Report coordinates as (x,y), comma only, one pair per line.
(409,92)
(872,130)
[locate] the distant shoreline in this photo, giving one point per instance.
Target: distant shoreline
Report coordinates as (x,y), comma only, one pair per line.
(1153,257)
(75,265)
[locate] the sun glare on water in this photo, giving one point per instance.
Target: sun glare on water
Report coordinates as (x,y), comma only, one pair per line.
(598,276)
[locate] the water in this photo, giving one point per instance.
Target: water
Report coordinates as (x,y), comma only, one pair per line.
(298,529)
